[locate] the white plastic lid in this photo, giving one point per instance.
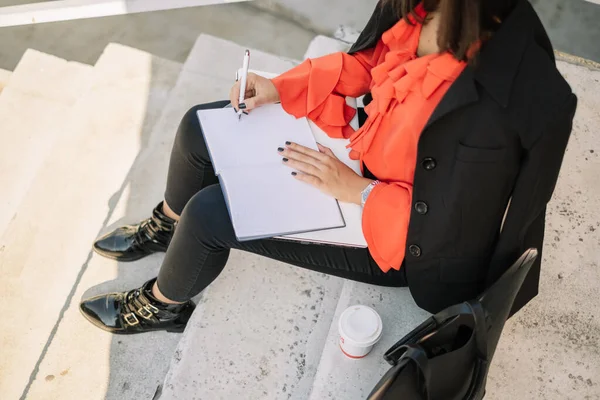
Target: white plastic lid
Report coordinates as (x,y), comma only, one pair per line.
(361,325)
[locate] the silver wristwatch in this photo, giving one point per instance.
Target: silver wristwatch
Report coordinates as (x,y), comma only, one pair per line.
(366,191)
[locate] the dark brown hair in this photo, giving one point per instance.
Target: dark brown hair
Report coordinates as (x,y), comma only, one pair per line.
(463,22)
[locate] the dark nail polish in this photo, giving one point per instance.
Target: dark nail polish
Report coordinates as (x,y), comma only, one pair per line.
(288,143)
(280,149)
(285,159)
(294,173)
(243,106)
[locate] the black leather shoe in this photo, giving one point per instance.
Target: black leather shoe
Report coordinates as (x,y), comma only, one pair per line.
(132,242)
(136,311)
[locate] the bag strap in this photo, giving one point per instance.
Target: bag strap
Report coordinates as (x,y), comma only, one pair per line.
(418,356)
(407,349)
(482,365)
(481,330)
(394,353)
(452,311)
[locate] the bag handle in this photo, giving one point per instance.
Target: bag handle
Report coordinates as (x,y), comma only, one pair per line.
(477,388)
(393,354)
(416,354)
(481,330)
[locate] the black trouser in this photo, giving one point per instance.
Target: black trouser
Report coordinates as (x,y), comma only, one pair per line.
(204,236)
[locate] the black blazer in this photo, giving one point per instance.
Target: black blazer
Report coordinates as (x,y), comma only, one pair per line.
(499,134)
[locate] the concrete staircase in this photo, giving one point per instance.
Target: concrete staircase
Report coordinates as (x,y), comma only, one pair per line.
(85,149)
(70,166)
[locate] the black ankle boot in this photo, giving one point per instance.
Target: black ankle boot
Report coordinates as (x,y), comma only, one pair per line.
(132,242)
(136,311)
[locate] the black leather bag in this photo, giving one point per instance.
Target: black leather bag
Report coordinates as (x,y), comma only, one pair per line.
(448,356)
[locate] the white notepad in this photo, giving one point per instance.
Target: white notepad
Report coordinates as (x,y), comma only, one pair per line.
(263,198)
(351,234)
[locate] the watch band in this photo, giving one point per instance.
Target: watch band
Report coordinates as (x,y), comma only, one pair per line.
(366,191)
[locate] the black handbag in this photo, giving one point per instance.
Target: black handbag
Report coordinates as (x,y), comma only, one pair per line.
(448,356)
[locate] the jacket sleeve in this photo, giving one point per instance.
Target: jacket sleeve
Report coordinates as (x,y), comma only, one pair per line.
(318,87)
(525,220)
(382,231)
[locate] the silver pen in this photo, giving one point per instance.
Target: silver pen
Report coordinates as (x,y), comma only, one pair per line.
(244,80)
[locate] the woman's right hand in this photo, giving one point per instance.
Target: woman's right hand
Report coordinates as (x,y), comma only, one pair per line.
(259,91)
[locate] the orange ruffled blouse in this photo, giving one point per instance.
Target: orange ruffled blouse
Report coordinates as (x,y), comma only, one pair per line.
(405,89)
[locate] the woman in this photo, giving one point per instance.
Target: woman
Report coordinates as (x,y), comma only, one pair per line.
(466,113)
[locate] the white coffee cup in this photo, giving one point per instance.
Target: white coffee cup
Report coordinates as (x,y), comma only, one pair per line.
(360,328)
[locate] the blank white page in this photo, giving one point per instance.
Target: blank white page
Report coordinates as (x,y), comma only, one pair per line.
(253,139)
(266,201)
(351,234)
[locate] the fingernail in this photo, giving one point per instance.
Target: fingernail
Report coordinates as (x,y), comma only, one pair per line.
(285,159)
(288,143)
(243,106)
(294,174)
(280,149)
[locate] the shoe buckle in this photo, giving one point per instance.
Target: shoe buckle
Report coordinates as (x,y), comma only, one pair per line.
(151,308)
(131,319)
(147,311)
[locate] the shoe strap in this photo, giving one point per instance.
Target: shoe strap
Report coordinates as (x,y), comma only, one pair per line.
(136,311)
(140,309)
(158,229)
(161,221)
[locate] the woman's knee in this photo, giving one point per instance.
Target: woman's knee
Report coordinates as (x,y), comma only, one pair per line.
(206,217)
(189,138)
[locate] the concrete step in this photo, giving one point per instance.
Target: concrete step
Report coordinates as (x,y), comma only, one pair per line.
(339,377)
(323,45)
(47,243)
(259,329)
(221,58)
(33,107)
(4,77)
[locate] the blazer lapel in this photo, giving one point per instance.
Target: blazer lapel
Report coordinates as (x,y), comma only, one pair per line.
(461,93)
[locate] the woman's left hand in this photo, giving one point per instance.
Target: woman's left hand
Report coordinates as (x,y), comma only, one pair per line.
(325,171)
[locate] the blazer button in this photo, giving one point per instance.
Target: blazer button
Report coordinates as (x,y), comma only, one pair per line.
(421,207)
(429,163)
(414,250)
